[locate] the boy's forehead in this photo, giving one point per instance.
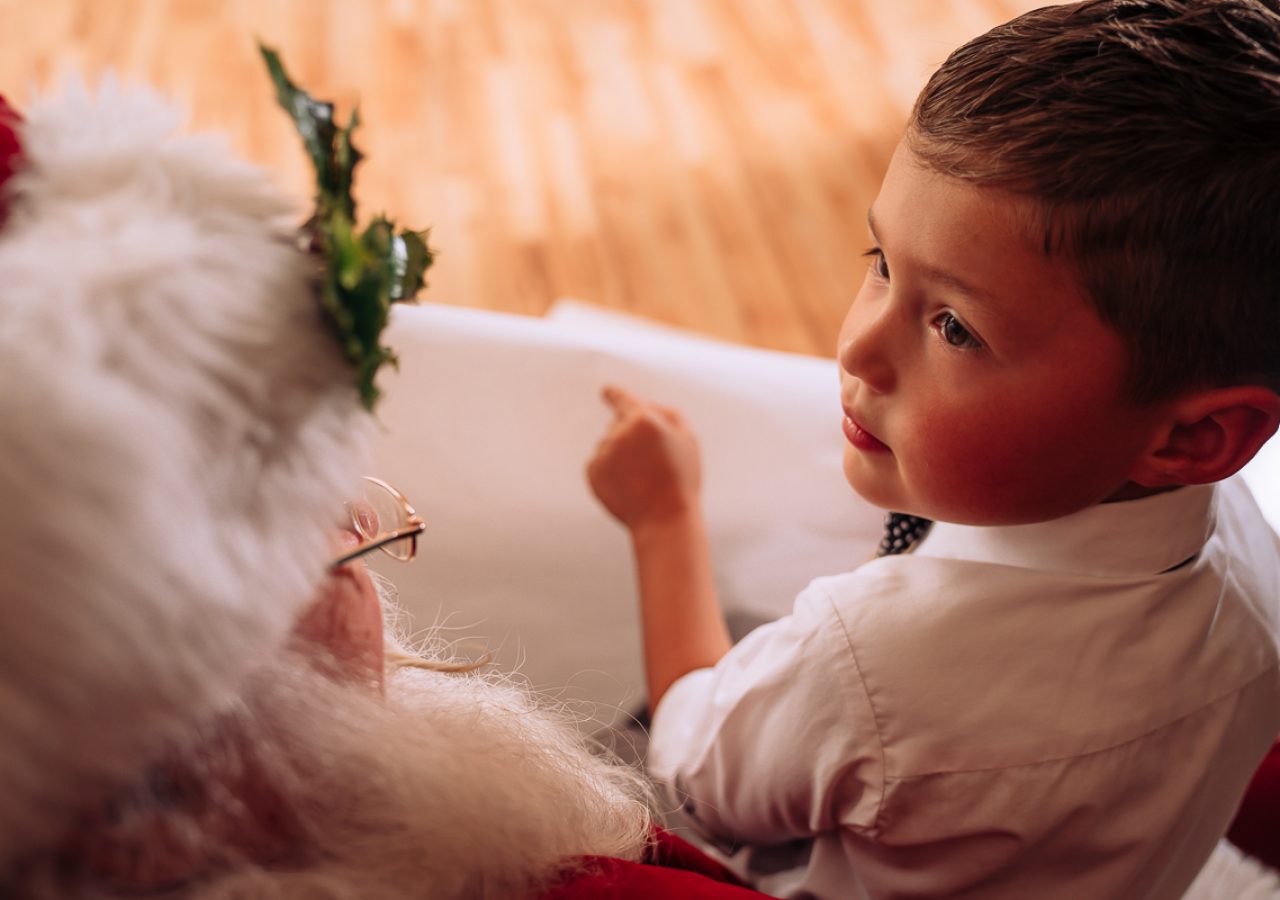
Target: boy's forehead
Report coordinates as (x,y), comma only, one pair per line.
(942,207)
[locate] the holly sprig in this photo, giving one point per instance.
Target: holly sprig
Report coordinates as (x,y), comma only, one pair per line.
(364,271)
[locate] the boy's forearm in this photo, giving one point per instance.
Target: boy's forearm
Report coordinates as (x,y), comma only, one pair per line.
(682,624)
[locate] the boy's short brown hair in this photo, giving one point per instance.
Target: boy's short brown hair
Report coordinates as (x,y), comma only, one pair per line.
(1148,134)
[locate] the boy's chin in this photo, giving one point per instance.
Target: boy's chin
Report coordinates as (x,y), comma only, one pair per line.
(879,488)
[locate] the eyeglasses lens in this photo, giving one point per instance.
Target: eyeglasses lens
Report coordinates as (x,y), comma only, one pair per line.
(365,519)
(377,512)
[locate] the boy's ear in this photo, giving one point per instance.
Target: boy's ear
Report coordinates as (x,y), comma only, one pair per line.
(1209,435)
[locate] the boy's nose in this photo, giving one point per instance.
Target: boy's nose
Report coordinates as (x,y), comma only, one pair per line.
(863,350)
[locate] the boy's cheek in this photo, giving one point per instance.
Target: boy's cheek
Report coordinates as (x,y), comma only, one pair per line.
(968,470)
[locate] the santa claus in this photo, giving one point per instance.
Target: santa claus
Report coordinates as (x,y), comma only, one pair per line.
(198,694)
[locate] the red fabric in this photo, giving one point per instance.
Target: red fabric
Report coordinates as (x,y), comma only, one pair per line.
(1256,829)
(671,868)
(677,853)
(10,146)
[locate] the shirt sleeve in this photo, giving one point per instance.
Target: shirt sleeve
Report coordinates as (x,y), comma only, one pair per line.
(778,741)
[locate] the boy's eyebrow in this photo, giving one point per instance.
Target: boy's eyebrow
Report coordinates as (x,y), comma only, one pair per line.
(946,279)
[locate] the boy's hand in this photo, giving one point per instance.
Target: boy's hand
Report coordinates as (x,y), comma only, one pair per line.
(647,468)
(647,472)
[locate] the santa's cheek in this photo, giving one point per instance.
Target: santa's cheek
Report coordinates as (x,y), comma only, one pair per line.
(344,626)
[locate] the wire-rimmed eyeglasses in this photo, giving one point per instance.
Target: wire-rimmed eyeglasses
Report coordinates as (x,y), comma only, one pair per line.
(383,519)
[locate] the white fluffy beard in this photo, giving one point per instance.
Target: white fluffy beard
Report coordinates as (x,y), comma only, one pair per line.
(457,786)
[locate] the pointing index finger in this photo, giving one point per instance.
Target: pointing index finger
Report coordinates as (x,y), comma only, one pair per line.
(619,400)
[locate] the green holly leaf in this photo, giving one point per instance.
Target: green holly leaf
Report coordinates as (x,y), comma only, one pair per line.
(365,272)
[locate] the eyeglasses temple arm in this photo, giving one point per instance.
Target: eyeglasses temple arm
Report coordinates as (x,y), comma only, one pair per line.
(411,530)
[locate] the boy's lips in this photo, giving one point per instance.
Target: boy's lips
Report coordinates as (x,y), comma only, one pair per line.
(861,438)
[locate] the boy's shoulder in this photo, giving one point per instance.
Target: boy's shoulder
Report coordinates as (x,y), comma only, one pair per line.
(1073,634)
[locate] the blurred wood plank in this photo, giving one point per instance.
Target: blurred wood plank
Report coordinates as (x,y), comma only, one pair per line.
(704,162)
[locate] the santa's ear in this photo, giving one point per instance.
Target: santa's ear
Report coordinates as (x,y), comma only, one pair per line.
(1209,435)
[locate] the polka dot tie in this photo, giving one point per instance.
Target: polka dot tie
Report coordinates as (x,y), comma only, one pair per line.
(901,532)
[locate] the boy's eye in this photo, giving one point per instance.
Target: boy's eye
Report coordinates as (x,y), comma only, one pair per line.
(878,264)
(955,333)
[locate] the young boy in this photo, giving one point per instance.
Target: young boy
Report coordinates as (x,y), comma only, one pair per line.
(1067,343)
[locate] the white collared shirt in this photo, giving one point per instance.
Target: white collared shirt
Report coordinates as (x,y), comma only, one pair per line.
(1066,709)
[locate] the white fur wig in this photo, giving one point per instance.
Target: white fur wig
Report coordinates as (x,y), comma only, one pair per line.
(178,432)
(177,435)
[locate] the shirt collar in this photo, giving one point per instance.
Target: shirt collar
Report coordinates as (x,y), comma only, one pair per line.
(1130,538)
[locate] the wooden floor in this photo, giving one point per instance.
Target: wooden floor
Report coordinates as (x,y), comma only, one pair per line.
(703,162)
